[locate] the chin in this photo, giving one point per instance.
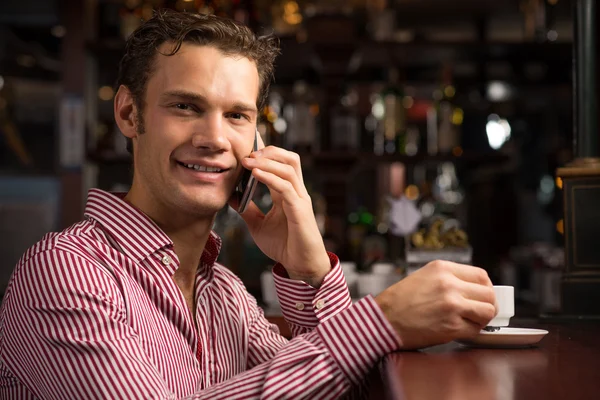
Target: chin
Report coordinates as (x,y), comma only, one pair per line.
(205,206)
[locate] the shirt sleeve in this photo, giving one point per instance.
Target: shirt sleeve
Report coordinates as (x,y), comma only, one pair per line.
(304,306)
(322,364)
(65,335)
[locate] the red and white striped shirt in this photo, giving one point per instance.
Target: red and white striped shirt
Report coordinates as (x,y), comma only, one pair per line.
(93,312)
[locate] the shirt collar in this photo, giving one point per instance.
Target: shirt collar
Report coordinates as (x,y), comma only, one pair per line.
(135,232)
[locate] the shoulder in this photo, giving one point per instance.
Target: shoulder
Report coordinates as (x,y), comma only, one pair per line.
(76,239)
(61,258)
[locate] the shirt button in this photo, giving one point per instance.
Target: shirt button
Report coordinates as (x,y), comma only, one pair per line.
(300,306)
(320,304)
(166,260)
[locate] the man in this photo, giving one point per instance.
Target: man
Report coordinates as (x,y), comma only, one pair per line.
(130,303)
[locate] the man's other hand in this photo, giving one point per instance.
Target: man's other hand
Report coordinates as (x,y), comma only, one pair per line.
(441,302)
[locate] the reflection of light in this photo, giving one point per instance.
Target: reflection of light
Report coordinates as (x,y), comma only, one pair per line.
(411,192)
(498,132)
(427,209)
(457,116)
(498,91)
(293,19)
(452,197)
(291,7)
(271,116)
(457,151)
(280,125)
(408,102)
(291,13)
(449,91)
(58,31)
(1,82)
(560,227)
(545,192)
(559,182)
(506,126)
(443,181)
(552,35)
(378,110)
(547,184)
(105,93)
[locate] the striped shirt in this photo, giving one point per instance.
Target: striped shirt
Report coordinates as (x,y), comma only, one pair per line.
(93,312)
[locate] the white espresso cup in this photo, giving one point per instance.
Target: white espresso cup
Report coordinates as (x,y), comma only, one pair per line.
(505,298)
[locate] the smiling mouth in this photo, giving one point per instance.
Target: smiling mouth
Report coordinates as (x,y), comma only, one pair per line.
(201,168)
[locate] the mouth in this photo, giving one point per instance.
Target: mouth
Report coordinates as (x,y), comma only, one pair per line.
(202,168)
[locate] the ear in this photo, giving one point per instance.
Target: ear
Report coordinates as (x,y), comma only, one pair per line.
(125,112)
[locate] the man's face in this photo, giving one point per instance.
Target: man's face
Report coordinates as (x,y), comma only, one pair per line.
(199,122)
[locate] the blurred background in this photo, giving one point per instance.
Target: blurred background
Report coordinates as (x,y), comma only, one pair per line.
(427,129)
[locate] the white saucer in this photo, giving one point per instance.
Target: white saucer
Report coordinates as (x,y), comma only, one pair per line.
(506,338)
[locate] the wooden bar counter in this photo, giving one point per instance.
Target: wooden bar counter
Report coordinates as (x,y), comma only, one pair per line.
(564,366)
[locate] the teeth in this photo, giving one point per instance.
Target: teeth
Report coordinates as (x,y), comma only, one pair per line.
(202,168)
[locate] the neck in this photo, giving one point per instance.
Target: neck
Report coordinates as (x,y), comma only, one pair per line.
(189,233)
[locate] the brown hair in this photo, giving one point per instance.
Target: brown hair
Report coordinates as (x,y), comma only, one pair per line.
(230,37)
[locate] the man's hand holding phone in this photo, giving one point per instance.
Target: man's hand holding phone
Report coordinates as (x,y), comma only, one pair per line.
(288,233)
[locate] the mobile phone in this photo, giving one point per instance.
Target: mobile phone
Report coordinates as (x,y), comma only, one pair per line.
(247,184)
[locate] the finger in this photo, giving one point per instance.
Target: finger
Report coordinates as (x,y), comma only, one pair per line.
(283,171)
(478,312)
(470,274)
(281,186)
(470,330)
(476,291)
(283,156)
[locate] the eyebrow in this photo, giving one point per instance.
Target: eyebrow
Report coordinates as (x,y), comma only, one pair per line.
(196,97)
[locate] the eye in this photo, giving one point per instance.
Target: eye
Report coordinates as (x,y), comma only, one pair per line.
(237,115)
(183,106)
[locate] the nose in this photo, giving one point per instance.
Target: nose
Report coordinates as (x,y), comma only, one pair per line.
(210,134)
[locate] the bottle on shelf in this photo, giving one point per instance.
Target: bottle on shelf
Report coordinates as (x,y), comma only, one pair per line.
(388,109)
(535,19)
(345,125)
(360,223)
(273,123)
(130,17)
(381,20)
(302,131)
(448,117)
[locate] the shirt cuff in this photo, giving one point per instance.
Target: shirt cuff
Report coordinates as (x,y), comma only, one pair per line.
(359,337)
(305,306)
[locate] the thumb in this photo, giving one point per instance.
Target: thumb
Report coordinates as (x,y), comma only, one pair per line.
(253,216)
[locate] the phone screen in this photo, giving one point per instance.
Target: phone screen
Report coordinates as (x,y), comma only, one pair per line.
(247,184)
